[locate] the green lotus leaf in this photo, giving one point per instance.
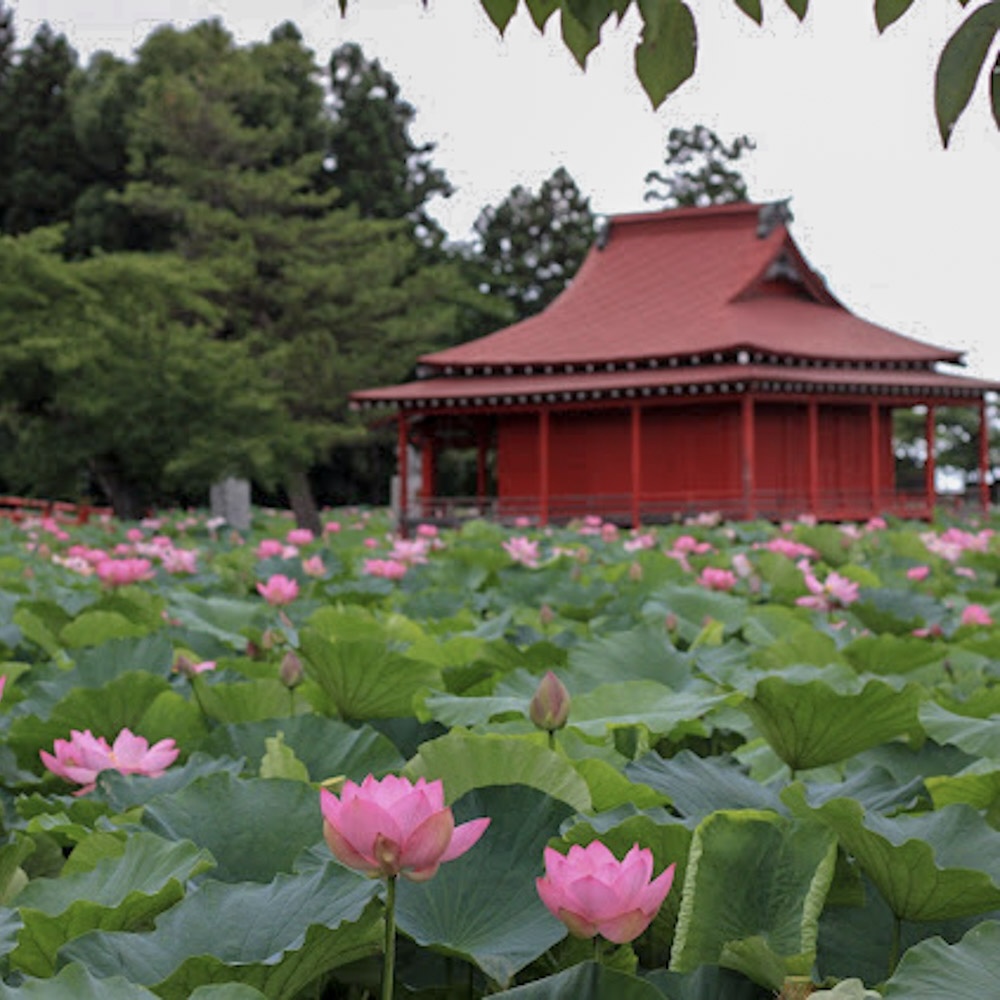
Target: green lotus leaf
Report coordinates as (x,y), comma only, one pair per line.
(277,937)
(897,611)
(254,828)
(698,786)
(932,866)
(464,761)
(802,644)
(249,701)
(484,906)
(327,747)
(755,887)
(119,893)
(643,653)
(809,723)
(979,737)
(74,982)
(93,628)
(692,606)
(124,791)
(365,679)
(224,618)
(455,710)
(934,969)
(609,788)
(891,654)
(586,981)
(706,983)
(643,703)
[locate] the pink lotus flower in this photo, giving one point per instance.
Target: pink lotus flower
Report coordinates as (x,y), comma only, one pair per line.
(81,758)
(392,827)
(278,590)
(331,527)
(300,536)
(313,566)
(270,548)
(120,572)
(717,579)
(918,573)
(592,892)
(180,561)
(976,614)
(835,591)
(427,531)
(790,548)
(410,551)
(522,550)
(388,569)
(688,543)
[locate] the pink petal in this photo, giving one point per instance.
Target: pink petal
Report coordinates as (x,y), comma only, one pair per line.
(578,926)
(594,899)
(625,926)
(651,898)
(426,845)
(464,837)
(345,853)
(361,822)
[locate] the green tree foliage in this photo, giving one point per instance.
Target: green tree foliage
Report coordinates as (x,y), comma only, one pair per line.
(324,299)
(41,169)
(531,245)
(374,162)
(956,441)
(109,375)
(666,52)
(698,170)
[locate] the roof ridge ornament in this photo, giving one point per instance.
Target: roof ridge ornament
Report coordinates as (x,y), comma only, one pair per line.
(772,214)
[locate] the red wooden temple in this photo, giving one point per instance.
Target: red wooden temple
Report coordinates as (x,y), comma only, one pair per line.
(696,363)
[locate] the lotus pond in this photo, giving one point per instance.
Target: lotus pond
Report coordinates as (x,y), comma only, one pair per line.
(802,719)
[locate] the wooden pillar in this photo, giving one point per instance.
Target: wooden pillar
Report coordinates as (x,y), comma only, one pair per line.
(543,466)
(812,456)
(482,446)
(876,466)
(401,466)
(427,466)
(930,486)
(748,455)
(984,457)
(635,464)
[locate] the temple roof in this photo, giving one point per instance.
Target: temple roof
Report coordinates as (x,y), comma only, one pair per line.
(691,282)
(489,391)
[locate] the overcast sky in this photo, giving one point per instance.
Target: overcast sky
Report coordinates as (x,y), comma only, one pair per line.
(904,232)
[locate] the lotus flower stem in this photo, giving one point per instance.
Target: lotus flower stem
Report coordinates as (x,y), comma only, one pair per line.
(894,948)
(389,962)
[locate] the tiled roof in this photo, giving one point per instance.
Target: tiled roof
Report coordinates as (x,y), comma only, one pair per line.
(690,281)
(493,390)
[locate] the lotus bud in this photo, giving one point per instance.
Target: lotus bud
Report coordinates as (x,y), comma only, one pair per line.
(253,651)
(184,666)
(549,708)
(291,672)
(635,572)
(546,615)
(670,623)
(270,638)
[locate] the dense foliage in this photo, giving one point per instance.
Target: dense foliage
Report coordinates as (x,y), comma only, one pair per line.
(802,719)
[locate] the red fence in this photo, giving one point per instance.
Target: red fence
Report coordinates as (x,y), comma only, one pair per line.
(19,508)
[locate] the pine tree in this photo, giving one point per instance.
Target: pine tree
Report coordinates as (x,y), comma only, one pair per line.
(698,170)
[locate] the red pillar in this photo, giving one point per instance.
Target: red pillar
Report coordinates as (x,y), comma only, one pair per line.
(876,466)
(984,458)
(930,486)
(635,477)
(401,465)
(812,458)
(427,464)
(543,466)
(482,446)
(748,455)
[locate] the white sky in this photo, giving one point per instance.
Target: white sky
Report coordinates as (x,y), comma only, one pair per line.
(903,231)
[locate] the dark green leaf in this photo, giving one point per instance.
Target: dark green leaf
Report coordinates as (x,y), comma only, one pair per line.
(888,11)
(933,969)
(752,9)
(541,11)
(665,57)
(586,981)
(500,12)
(961,63)
(798,7)
(76,983)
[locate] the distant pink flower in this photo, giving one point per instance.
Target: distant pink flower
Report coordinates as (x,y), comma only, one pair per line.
(639,542)
(392,827)
(717,579)
(313,566)
(522,522)
(300,536)
(689,544)
(742,565)
(790,548)
(918,573)
(331,527)
(427,531)
(120,572)
(967,571)
(388,569)
(180,561)
(371,543)
(134,534)
(876,524)
(278,590)
(81,758)
(522,550)
(592,892)
(270,548)
(609,532)
(835,591)
(976,614)
(3,684)
(410,551)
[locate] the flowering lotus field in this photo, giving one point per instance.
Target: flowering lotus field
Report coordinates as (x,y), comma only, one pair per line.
(705,762)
